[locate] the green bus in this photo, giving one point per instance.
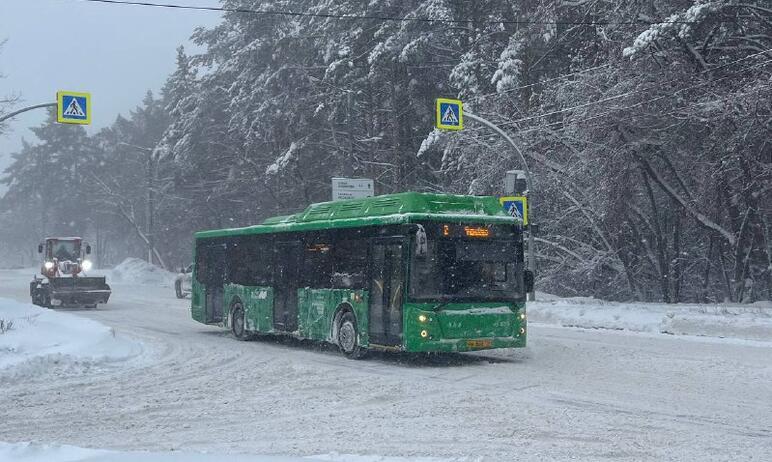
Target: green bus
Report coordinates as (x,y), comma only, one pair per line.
(413,272)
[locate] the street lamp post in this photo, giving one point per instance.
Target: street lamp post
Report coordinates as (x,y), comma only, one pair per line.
(529,184)
(5,117)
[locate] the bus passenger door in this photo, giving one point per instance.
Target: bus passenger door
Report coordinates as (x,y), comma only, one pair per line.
(214,278)
(387,287)
(285,305)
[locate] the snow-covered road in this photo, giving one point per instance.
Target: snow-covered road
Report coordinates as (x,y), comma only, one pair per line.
(573,393)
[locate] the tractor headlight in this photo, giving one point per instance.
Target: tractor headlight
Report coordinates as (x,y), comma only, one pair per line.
(86,265)
(48,265)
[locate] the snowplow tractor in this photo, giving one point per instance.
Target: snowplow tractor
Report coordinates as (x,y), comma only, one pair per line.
(64,281)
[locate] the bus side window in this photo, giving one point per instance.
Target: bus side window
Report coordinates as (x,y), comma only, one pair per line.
(317,264)
(350,264)
(249,261)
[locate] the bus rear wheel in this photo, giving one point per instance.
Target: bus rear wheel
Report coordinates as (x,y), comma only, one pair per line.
(348,337)
(237,322)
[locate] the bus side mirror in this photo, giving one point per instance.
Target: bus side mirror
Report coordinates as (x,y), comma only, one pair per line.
(40,248)
(528,280)
(88,249)
(420,242)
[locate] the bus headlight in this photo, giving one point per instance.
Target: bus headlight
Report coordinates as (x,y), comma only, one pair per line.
(48,265)
(422,318)
(86,265)
(424,333)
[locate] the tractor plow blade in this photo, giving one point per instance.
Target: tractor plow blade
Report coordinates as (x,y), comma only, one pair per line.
(79,291)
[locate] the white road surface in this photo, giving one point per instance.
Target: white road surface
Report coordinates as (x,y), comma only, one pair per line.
(572,394)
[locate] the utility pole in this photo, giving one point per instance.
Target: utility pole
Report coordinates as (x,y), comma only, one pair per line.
(149,203)
(149,212)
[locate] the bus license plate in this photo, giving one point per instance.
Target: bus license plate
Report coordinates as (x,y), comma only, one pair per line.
(478,343)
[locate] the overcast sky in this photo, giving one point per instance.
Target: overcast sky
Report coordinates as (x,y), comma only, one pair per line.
(115,52)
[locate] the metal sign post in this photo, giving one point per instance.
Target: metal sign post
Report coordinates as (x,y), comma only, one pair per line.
(71,108)
(444,123)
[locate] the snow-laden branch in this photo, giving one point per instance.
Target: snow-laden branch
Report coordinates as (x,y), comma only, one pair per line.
(696,214)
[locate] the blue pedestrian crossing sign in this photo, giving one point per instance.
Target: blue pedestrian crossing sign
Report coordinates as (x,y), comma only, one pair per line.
(517,206)
(450,114)
(73,107)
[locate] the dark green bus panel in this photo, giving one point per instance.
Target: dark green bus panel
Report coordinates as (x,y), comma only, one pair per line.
(404,272)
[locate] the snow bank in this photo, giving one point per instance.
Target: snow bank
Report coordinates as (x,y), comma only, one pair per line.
(40,339)
(136,271)
(750,322)
(31,452)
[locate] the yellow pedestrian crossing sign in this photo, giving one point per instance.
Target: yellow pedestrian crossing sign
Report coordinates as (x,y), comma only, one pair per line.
(517,206)
(450,114)
(73,108)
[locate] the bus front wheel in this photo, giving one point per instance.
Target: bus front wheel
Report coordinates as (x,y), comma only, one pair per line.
(237,322)
(348,337)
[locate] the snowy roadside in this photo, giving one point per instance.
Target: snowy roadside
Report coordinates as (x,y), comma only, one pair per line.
(746,322)
(31,452)
(35,339)
(138,272)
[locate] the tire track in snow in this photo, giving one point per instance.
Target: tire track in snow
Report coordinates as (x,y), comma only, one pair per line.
(572,394)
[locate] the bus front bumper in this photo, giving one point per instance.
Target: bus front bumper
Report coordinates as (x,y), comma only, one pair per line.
(428,345)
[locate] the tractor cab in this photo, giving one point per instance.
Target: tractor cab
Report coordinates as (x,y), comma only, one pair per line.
(64,256)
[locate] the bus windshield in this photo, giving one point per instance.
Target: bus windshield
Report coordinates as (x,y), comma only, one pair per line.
(455,269)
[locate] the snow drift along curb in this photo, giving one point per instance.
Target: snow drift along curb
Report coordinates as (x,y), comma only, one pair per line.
(41,339)
(749,322)
(136,271)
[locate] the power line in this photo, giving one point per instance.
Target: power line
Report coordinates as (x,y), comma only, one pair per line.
(640,90)
(355,17)
(645,102)
(540,82)
(649,101)
(597,125)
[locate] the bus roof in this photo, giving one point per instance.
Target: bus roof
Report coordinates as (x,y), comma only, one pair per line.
(389,209)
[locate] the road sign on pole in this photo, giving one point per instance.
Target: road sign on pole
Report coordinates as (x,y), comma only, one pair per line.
(517,206)
(450,114)
(348,188)
(73,107)
(443,105)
